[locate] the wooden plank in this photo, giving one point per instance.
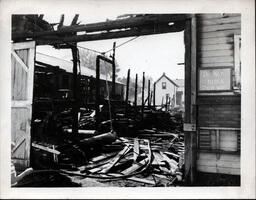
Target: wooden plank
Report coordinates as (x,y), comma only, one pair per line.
(17,104)
(23,45)
(218,15)
(224,33)
(102,157)
(116,159)
(220,100)
(109,25)
(228,20)
(216,53)
(135,166)
(217,40)
(221,64)
(136,149)
(190,95)
(219,59)
(213,28)
(212,156)
(38,146)
(140,180)
(219,163)
(18,143)
(210,169)
(211,47)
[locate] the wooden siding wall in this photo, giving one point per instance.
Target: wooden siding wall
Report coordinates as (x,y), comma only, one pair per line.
(215,47)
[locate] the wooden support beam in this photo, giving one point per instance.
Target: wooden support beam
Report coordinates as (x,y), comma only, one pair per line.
(128,23)
(97,84)
(38,146)
(135,92)
(154,96)
(51,40)
(148,93)
(113,91)
(127,92)
(190,99)
(75,107)
(142,98)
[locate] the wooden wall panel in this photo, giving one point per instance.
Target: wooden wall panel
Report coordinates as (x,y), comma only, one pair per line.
(219,27)
(224,163)
(19,79)
(219,116)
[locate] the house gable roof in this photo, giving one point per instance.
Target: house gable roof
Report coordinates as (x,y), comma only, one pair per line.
(167,79)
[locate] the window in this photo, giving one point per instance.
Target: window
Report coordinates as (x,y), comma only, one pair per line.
(163,85)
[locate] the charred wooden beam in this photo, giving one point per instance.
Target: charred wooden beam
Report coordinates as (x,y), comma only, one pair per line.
(113,91)
(132,22)
(51,40)
(127,91)
(154,95)
(142,98)
(75,108)
(148,93)
(135,92)
(97,84)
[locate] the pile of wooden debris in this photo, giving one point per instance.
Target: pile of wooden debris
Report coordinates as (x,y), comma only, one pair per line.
(156,160)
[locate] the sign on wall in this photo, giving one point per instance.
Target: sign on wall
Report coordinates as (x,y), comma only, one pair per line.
(215,79)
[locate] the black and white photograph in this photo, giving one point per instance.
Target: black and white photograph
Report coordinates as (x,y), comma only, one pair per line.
(129,99)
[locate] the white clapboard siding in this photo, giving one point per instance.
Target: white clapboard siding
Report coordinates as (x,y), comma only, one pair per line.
(221,64)
(219,21)
(215,16)
(22,69)
(217,59)
(216,53)
(219,27)
(218,40)
(215,47)
(216,34)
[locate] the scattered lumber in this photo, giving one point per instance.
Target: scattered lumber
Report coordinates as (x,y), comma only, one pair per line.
(105,138)
(136,149)
(116,159)
(136,166)
(86,132)
(38,146)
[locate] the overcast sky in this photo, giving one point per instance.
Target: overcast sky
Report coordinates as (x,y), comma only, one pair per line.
(153,54)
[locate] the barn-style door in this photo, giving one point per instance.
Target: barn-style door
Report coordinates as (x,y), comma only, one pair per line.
(22,78)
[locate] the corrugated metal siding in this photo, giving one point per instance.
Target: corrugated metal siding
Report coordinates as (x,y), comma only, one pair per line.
(215,48)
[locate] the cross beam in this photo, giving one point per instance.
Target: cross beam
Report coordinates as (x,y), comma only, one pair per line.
(136,26)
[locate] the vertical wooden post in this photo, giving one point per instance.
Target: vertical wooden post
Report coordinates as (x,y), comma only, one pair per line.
(148,93)
(190,99)
(151,96)
(135,92)
(142,98)
(113,91)
(127,91)
(97,92)
(154,96)
(166,102)
(75,91)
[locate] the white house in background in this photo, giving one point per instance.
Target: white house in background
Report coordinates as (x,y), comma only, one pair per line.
(180,93)
(165,90)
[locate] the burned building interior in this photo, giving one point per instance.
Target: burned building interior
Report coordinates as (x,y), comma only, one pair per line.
(85,131)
